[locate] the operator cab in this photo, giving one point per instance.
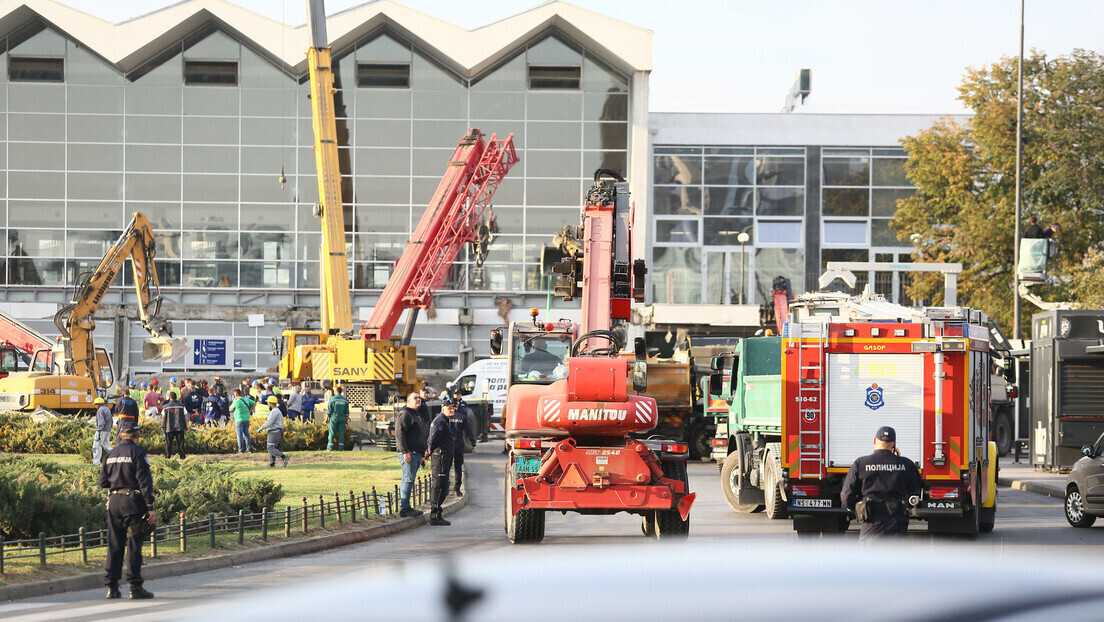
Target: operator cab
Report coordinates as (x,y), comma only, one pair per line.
(541,358)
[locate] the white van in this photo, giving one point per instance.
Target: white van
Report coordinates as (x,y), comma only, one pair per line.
(484,382)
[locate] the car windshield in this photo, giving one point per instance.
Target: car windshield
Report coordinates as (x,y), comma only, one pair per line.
(541,359)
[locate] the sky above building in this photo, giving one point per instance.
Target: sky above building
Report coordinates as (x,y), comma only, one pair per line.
(866,56)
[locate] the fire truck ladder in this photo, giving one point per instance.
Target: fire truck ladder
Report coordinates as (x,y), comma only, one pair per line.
(812,338)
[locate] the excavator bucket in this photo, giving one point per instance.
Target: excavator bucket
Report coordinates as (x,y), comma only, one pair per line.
(164,349)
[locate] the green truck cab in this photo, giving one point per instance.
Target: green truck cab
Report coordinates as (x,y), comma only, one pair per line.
(747,443)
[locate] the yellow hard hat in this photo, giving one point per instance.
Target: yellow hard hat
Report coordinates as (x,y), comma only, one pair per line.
(272,399)
(98,400)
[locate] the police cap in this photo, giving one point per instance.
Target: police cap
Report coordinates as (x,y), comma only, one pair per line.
(451,403)
(886,434)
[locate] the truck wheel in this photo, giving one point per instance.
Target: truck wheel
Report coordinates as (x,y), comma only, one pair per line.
(526,525)
(1075,509)
(987,520)
(730,484)
(648,523)
(668,523)
(1002,432)
(698,440)
(772,492)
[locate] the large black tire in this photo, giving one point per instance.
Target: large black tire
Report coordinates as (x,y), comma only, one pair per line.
(1075,509)
(668,523)
(730,483)
(772,489)
(987,520)
(527,526)
(1002,431)
(698,441)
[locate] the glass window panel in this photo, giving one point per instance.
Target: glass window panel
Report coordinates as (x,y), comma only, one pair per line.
(438,105)
(510,192)
(383,104)
(775,262)
(37,127)
(210,131)
(267,246)
(677,232)
(678,169)
(854,171)
(95,99)
(555,77)
(154,100)
(216,102)
(95,157)
(209,245)
(598,79)
(725,231)
(611,107)
(151,187)
(161,71)
(845,152)
(384,218)
(381,162)
(548,221)
(93,244)
(677,275)
(881,234)
(37,185)
(265,188)
(884,200)
(729,201)
(779,231)
(502,129)
(157,130)
(772,171)
(677,200)
(37,156)
(212,160)
(781,201)
(498,105)
(95,186)
(719,151)
(889,172)
(383,75)
(846,254)
(850,233)
(210,188)
(210,216)
(45,41)
(266,160)
(273,217)
(270,132)
(266,274)
(553,163)
(612,160)
(383,48)
(95,215)
(422,190)
(215,45)
(510,76)
(552,50)
(431,161)
(730,171)
(391,189)
(37,242)
(506,219)
(94,129)
(438,133)
(428,76)
(308,246)
(554,106)
(153,158)
(36,69)
(554,136)
(269,102)
(25,271)
(605,136)
(389,133)
(560,192)
(380,247)
(36,214)
(209,274)
(846,202)
(258,72)
(164,218)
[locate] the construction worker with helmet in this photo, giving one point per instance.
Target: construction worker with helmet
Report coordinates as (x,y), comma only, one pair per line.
(102,439)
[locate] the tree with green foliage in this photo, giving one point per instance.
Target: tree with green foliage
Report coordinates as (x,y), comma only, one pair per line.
(963,209)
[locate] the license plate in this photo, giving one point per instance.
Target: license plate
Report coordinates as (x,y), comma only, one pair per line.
(812,503)
(527,464)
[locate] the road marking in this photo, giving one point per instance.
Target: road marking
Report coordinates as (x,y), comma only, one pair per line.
(69,613)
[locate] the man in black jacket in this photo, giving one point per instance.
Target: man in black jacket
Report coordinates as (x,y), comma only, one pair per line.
(878,486)
(174,422)
(440,452)
(126,474)
(410,440)
(461,428)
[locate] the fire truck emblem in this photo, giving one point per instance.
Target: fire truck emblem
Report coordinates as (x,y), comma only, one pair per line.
(874,397)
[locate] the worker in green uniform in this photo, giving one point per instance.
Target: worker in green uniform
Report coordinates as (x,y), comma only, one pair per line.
(337,413)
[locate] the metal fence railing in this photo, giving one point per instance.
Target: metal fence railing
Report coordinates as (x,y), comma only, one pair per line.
(283,522)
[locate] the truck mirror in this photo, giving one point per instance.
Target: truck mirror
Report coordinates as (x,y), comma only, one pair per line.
(496,341)
(716,381)
(717,364)
(277,351)
(640,376)
(640,349)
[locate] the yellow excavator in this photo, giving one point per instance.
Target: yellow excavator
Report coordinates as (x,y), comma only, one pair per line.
(74,372)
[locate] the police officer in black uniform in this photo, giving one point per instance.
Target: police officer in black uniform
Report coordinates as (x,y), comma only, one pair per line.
(440,453)
(878,486)
(130,516)
(461,427)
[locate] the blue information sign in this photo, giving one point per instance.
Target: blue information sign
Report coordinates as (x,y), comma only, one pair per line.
(210,352)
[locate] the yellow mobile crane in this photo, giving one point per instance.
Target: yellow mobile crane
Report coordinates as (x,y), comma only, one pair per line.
(78,370)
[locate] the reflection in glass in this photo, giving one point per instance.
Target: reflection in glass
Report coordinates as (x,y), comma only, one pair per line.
(849,232)
(23,270)
(889,172)
(781,202)
(209,245)
(677,169)
(854,171)
(730,171)
(725,231)
(846,202)
(846,254)
(266,274)
(775,262)
(208,274)
(677,200)
(677,275)
(611,160)
(267,246)
(779,231)
(884,200)
(881,234)
(677,231)
(775,171)
(721,201)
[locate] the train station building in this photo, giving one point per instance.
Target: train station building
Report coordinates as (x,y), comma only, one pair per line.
(197,115)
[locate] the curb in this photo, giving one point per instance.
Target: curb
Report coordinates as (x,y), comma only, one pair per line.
(1042,489)
(188,566)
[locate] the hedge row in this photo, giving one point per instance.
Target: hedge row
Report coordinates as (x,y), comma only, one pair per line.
(39,495)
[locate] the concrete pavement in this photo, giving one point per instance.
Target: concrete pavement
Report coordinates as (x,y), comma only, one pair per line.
(1023,476)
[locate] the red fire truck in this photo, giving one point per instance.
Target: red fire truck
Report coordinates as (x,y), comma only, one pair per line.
(928,378)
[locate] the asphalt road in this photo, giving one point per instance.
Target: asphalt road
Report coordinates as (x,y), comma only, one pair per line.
(1026,523)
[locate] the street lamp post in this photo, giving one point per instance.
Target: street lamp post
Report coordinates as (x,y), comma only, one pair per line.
(742,239)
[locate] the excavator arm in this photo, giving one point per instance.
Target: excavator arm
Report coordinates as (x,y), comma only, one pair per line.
(76,320)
